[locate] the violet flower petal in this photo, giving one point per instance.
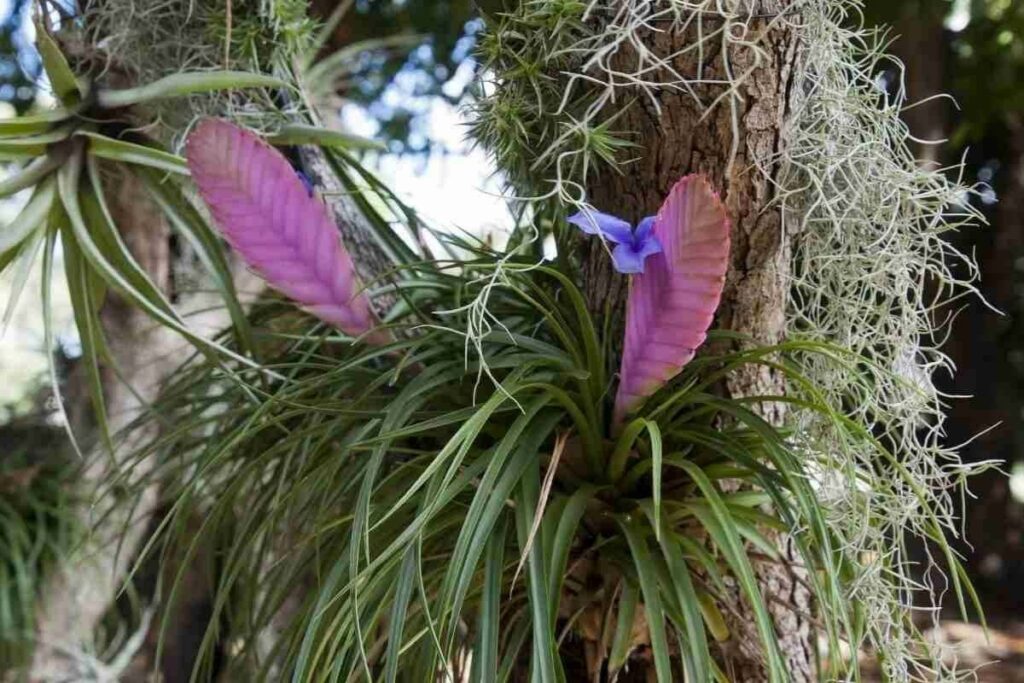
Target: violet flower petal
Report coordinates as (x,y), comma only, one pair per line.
(612,228)
(644,228)
(627,260)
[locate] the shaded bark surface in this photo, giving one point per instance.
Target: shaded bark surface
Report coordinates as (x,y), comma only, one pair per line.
(683,138)
(79,593)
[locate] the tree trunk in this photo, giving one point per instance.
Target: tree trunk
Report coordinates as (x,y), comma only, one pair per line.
(80,592)
(685,138)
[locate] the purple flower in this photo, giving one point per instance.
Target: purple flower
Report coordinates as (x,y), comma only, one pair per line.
(306,182)
(632,247)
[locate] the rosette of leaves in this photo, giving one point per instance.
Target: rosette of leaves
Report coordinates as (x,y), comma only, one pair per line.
(388,516)
(62,156)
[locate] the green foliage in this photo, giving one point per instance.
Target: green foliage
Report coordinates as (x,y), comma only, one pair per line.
(388,511)
(61,151)
(986,55)
(37,526)
(541,134)
(394,513)
(990,54)
(395,56)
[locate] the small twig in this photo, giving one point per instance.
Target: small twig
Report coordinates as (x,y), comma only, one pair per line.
(549,480)
(227,35)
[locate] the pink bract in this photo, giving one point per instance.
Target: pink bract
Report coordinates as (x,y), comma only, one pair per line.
(672,304)
(267,215)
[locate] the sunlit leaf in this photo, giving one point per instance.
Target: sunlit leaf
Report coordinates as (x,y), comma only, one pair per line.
(129,152)
(183,84)
(62,78)
(298,134)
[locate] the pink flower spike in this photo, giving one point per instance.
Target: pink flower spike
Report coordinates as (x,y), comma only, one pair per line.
(672,303)
(266,213)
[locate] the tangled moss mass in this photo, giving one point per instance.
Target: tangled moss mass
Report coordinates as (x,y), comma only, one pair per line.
(145,41)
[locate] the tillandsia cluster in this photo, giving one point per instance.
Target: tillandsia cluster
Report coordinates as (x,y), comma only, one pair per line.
(145,42)
(536,520)
(868,267)
(373,511)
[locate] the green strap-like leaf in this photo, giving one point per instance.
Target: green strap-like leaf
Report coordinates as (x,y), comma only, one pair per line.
(696,655)
(185,219)
(565,533)
(720,527)
(37,169)
(399,609)
(114,263)
(300,134)
(31,146)
(87,293)
(26,259)
(62,78)
(30,218)
(652,597)
(545,663)
(55,224)
(33,124)
(623,635)
(131,153)
(180,85)
(485,652)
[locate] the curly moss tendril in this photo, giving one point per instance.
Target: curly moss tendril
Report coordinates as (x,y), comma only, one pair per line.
(152,39)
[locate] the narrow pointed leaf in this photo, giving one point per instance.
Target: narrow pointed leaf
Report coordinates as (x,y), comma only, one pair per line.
(622,641)
(266,214)
(187,221)
(180,85)
(132,153)
(34,172)
(33,124)
(672,304)
(21,276)
(31,146)
(29,218)
(62,78)
(300,134)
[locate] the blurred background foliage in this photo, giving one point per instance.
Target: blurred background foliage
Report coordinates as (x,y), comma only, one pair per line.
(425,53)
(19,64)
(419,52)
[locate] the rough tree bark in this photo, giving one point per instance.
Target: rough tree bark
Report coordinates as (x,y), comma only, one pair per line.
(80,592)
(684,139)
